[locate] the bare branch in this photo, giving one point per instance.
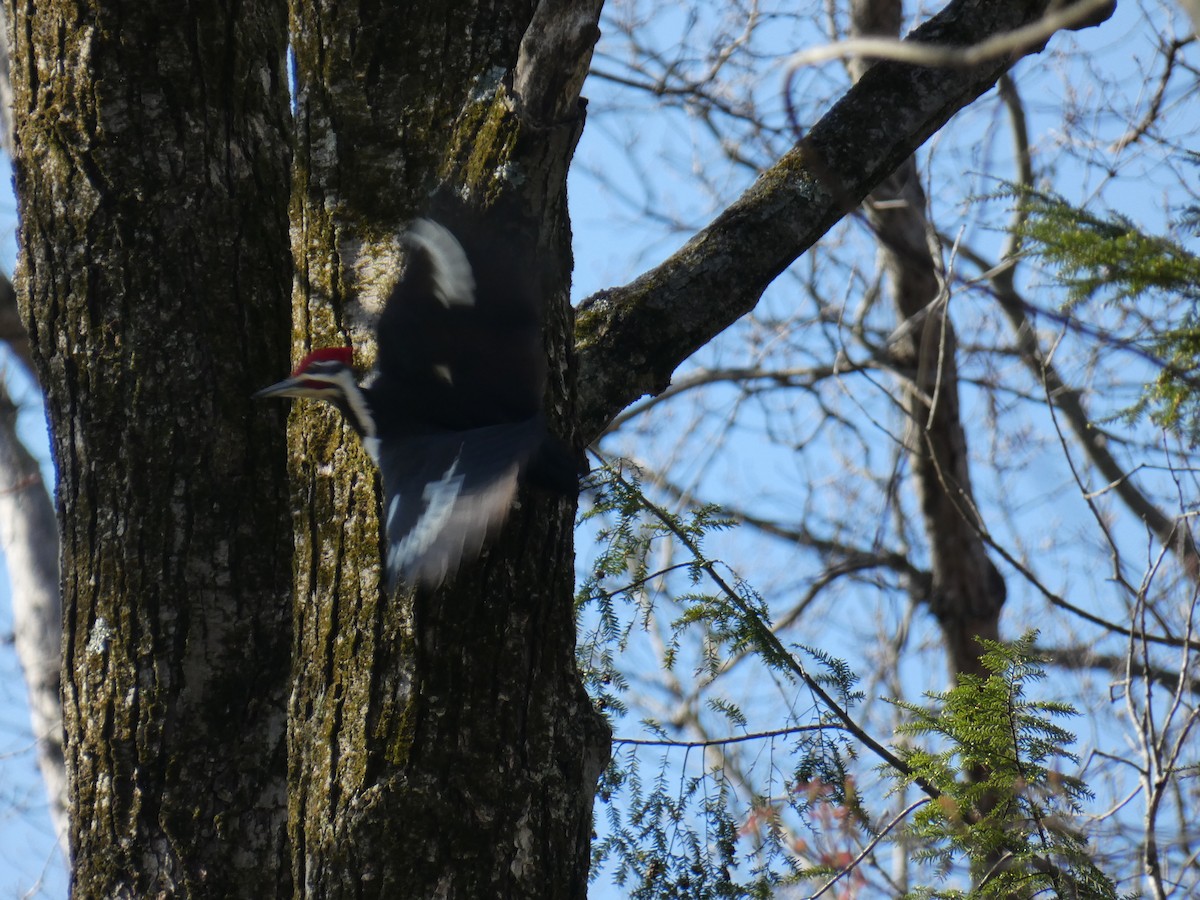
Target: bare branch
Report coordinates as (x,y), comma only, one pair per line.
(1087,657)
(849,867)
(1018,41)
(773,648)
(735,739)
(1138,131)
(630,339)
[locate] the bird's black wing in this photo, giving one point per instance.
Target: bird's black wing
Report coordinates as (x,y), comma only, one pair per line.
(460,338)
(445,492)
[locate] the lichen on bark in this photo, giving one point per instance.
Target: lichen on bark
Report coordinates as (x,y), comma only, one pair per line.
(151,169)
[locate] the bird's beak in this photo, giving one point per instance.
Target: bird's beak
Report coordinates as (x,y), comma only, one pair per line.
(289,387)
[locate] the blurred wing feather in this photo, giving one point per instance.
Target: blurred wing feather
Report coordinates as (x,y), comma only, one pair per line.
(445,492)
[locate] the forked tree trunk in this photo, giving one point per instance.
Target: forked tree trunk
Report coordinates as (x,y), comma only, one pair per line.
(152,177)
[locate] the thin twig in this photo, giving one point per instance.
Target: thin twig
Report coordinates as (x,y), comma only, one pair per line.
(720,742)
(854,863)
(1017,41)
(769,642)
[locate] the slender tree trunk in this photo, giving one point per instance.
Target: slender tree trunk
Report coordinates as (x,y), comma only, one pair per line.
(441,745)
(151,172)
(967,590)
(29,538)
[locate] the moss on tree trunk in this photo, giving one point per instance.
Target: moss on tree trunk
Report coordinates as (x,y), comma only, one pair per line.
(151,169)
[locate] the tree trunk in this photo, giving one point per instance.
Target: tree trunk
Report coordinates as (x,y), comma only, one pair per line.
(29,538)
(441,744)
(151,170)
(967,590)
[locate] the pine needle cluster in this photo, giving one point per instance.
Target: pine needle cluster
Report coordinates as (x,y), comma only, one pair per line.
(1108,259)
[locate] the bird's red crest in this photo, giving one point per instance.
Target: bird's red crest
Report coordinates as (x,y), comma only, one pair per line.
(344,355)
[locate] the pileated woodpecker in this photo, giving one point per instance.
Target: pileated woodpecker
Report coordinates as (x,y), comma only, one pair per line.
(453,414)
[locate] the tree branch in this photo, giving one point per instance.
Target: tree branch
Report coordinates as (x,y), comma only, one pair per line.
(1061,16)
(556,50)
(630,339)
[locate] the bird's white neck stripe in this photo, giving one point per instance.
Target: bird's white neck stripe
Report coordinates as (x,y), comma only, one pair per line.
(357,402)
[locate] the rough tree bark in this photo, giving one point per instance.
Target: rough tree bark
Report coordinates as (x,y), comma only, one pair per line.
(441,745)
(151,173)
(29,539)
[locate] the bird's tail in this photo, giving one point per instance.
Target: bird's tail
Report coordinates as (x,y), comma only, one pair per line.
(446,492)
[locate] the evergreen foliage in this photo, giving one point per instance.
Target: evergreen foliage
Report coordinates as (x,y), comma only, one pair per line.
(676,833)
(1012,819)
(997,790)
(1110,260)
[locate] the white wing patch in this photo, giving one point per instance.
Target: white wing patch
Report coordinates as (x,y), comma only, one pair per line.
(439,498)
(453,280)
(371,445)
(446,493)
